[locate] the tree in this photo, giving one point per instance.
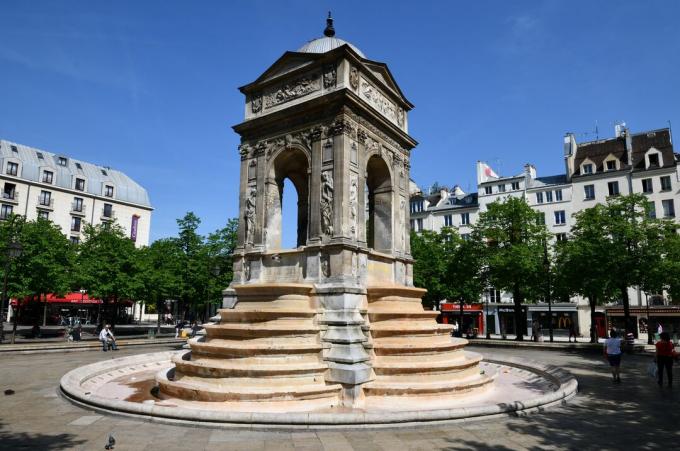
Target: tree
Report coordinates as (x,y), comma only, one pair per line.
(584,264)
(515,236)
(671,266)
(108,266)
(159,276)
(430,266)
(220,246)
(192,264)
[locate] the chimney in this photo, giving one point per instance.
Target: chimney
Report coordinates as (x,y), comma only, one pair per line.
(458,192)
(530,171)
(569,144)
(620,129)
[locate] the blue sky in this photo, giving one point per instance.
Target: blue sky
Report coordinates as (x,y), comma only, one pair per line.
(150,88)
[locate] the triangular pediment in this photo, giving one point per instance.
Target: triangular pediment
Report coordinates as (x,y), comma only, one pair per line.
(288,62)
(382,73)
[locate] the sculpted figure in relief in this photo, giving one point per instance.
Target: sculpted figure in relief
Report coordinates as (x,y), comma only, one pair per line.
(256,104)
(329,77)
(353,194)
(327,203)
(354,78)
(325,265)
(250,216)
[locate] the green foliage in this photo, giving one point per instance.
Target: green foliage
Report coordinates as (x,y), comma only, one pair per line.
(430,266)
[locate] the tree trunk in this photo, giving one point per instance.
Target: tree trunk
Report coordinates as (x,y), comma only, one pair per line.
(592,300)
(520,322)
(158,314)
(44,321)
(626,310)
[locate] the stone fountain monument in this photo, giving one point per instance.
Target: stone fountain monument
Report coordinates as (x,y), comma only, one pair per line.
(336,321)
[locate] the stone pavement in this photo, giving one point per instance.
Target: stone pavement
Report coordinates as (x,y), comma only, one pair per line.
(633,415)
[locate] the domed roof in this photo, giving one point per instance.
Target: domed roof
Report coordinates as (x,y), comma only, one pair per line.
(328,42)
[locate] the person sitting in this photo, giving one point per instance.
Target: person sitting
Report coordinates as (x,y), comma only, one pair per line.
(107,339)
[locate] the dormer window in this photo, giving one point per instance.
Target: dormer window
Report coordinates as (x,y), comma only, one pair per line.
(108,191)
(588,168)
(611,165)
(12,168)
(15,150)
(40,155)
(79,166)
(62,161)
(653,160)
(80,184)
(104,172)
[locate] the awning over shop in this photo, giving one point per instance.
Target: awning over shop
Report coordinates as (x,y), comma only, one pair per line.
(69,298)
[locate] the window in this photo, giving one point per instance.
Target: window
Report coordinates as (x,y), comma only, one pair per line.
(62,161)
(501,188)
(558,195)
(560,217)
(540,219)
(647,186)
(42,214)
(12,168)
(539,198)
(45,198)
(668,208)
(77,204)
(48,177)
(589,192)
(588,168)
(80,184)
(15,150)
(548,196)
(5,211)
(653,160)
(448,220)
(561,236)
(104,172)
(515,186)
(613,188)
(651,210)
(465,218)
(419,225)
(108,192)
(75,224)
(493,295)
(108,211)
(666,183)
(40,155)
(9,191)
(75,240)
(79,166)
(416,206)
(487,190)
(611,165)
(465,236)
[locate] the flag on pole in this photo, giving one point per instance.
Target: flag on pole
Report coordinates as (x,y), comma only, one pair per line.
(484,172)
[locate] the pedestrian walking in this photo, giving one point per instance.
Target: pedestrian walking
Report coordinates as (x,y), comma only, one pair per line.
(178,328)
(665,352)
(612,352)
(572,331)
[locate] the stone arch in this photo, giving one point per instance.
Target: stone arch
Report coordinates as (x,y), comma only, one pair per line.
(290,162)
(379,196)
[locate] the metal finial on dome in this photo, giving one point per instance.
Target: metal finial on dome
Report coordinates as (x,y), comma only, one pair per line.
(329,31)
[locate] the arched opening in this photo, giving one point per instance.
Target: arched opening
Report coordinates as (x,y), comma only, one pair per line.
(289,170)
(379,202)
(289,219)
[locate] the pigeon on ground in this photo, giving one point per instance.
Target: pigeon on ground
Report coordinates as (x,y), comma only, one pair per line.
(111,443)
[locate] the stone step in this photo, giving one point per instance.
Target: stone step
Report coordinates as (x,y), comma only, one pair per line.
(264,314)
(437,387)
(400,328)
(244,348)
(268,329)
(409,367)
(411,345)
(233,368)
(385,315)
(198,390)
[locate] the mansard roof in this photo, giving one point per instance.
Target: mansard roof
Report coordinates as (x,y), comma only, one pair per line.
(598,151)
(34,160)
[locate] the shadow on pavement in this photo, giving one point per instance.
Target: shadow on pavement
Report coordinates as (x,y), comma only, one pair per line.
(36,441)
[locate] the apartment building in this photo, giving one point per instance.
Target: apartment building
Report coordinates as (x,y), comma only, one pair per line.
(69,192)
(595,170)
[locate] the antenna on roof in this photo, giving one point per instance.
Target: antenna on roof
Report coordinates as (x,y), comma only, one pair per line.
(595,132)
(329,31)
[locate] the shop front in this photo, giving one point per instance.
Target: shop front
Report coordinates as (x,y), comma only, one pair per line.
(564,316)
(647,319)
(66,310)
(473,321)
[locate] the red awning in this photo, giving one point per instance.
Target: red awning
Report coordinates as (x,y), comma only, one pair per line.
(68,298)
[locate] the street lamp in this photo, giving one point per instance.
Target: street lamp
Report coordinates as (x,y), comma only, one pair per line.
(650,335)
(546,263)
(13,251)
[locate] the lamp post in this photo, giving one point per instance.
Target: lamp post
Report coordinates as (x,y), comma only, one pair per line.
(82,297)
(546,264)
(486,319)
(13,251)
(650,335)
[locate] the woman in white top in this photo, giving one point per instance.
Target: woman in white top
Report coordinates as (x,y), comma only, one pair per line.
(612,352)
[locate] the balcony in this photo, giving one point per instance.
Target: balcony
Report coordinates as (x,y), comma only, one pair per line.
(11,197)
(78,210)
(45,204)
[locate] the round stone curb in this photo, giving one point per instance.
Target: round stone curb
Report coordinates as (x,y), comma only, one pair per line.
(71,385)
